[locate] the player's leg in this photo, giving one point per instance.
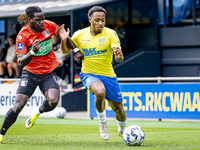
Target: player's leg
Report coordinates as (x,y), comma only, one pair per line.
(26,87)
(94,85)
(52,99)
(99,91)
(120,115)
(114,97)
(50,89)
(25,90)
(12,114)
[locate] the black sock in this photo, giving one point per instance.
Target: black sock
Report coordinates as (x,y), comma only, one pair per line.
(45,107)
(9,119)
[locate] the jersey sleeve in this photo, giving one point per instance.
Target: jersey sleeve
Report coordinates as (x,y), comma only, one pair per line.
(54,27)
(75,38)
(21,45)
(114,40)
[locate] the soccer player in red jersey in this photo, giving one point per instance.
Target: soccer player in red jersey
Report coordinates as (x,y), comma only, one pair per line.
(35,54)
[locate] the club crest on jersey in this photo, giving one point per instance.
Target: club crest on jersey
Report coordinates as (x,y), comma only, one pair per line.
(20,46)
(24,83)
(119,95)
(46,33)
(88,80)
(101,41)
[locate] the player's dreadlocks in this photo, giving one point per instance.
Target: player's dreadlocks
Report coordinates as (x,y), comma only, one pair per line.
(29,12)
(96,9)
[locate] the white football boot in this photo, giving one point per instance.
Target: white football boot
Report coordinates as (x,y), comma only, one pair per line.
(104,131)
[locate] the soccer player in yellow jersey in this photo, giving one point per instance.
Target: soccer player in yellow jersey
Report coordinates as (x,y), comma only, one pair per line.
(98,44)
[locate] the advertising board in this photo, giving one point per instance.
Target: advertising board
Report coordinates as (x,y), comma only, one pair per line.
(157,100)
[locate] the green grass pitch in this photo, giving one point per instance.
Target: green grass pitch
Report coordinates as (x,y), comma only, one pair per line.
(83,134)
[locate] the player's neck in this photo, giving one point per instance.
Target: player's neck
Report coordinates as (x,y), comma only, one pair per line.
(93,33)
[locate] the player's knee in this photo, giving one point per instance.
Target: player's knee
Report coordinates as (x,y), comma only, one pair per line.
(17,109)
(119,110)
(100,94)
(54,102)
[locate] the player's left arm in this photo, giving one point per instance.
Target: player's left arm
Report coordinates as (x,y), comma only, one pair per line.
(115,44)
(118,54)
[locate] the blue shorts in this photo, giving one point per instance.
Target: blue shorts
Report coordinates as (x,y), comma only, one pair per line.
(110,83)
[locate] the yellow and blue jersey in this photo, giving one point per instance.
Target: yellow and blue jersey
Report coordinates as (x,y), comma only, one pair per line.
(97,50)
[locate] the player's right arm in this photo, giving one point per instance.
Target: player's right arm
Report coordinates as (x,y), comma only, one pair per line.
(67,45)
(24,60)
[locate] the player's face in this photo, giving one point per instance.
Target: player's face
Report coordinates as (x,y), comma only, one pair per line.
(97,21)
(37,22)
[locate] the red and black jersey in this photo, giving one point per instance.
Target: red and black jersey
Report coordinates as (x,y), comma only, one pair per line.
(44,61)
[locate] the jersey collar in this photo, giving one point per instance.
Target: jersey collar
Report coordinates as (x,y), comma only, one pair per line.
(32,30)
(97,34)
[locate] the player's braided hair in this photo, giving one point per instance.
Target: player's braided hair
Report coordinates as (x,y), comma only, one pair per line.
(29,12)
(96,9)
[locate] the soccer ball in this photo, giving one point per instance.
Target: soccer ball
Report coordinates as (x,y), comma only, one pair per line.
(133,135)
(60,112)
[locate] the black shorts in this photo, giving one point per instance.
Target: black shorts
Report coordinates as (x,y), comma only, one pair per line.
(29,82)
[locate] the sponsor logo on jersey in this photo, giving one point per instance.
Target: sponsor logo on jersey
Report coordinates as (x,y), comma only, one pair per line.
(85,40)
(20,46)
(46,46)
(92,51)
(46,33)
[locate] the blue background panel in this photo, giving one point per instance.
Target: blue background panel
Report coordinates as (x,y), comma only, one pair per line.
(161,101)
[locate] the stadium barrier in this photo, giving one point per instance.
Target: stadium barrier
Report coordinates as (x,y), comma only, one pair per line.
(8,88)
(156,98)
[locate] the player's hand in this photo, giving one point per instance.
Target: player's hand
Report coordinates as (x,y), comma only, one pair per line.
(36,46)
(118,54)
(78,56)
(63,34)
